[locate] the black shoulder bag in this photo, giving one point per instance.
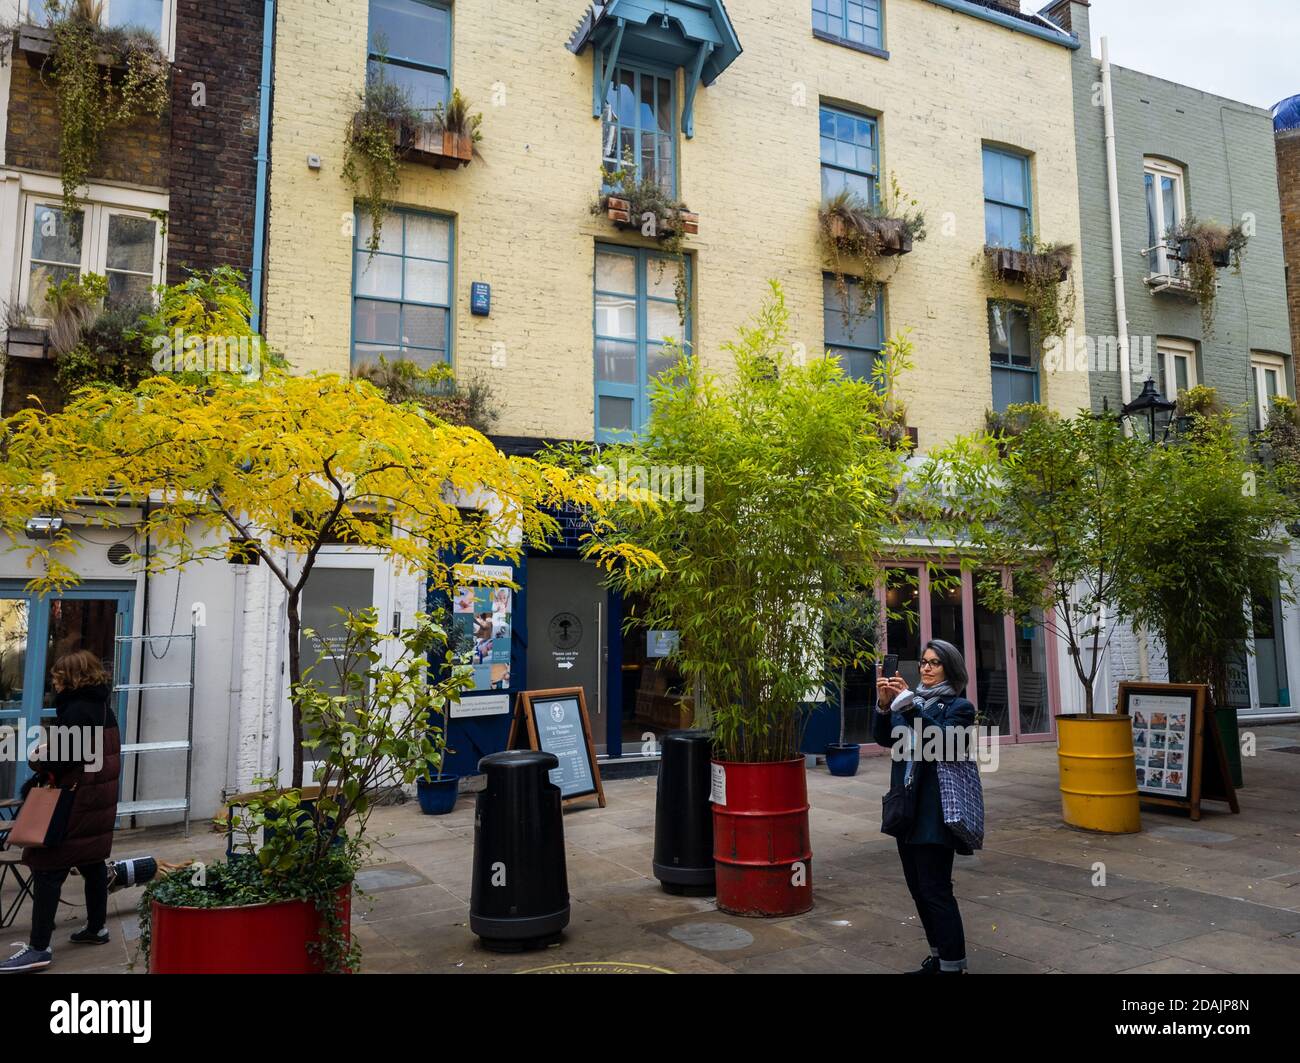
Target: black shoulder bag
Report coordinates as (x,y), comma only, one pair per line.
(898,807)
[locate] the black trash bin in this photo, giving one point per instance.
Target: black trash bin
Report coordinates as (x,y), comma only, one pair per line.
(520,893)
(683,858)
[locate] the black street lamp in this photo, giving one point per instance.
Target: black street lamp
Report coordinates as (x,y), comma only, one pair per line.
(1152,405)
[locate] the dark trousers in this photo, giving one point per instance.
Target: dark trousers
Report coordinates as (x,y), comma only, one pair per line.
(46,887)
(928,870)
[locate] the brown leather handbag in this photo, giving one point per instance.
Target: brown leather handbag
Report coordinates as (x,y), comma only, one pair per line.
(42,821)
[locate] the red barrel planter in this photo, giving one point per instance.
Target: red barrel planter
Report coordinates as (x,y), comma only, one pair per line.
(761,843)
(250,939)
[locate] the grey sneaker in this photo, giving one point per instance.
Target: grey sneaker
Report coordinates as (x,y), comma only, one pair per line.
(85,937)
(26,959)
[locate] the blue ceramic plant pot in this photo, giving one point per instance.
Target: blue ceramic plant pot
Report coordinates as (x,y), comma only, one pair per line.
(842,759)
(437,795)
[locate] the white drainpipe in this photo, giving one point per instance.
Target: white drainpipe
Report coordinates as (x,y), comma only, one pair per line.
(1117,266)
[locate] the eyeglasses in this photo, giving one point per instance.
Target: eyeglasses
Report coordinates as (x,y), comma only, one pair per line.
(931,662)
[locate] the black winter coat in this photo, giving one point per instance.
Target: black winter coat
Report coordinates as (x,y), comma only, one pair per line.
(928,827)
(94,809)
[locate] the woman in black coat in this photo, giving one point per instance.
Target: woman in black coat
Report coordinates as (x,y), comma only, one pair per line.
(81,696)
(927,851)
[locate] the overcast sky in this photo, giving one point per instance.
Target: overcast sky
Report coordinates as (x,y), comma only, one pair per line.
(1246,50)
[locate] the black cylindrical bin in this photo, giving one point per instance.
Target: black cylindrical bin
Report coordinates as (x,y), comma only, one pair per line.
(520,893)
(683,859)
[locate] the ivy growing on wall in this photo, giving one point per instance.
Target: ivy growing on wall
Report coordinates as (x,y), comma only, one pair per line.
(103,79)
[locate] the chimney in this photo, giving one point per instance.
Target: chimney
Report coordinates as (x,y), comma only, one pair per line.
(1008,5)
(1062,13)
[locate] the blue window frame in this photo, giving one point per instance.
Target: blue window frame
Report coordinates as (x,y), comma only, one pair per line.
(850,154)
(1011,356)
(1008,219)
(410,46)
(401,306)
(34,632)
(634,318)
(854,334)
(856,21)
(640,120)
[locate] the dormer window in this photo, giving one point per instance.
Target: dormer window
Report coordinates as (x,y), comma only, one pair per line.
(694,36)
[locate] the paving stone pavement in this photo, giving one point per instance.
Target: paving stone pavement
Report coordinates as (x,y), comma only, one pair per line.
(1218,895)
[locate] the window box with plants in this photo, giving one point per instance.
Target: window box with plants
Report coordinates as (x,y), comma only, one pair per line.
(387,130)
(640,204)
(856,234)
(1202,248)
(1038,278)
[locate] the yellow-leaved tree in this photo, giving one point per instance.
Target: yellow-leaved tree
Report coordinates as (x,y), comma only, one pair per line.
(276,468)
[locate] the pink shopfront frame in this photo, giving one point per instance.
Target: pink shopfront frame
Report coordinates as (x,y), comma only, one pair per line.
(922,570)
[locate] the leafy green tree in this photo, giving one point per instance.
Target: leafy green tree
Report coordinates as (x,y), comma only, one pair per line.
(1216,540)
(800,472)
(1065,504)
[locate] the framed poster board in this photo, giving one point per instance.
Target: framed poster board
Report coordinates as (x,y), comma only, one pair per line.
(1176,745)
(555,721)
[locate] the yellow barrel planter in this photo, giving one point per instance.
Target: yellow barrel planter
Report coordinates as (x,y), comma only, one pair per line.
(1098,775)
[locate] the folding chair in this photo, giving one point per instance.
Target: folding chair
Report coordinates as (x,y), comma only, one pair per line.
(11,866)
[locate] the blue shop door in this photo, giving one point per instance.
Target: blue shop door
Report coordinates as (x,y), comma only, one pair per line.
(480,723)
(34,633)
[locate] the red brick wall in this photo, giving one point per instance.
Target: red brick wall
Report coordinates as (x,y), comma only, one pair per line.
(136,154)
(1288,184)
(213,176)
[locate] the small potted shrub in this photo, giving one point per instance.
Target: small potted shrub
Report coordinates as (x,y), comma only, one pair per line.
(847,638)
(748,580)
(285,908)
(436,790)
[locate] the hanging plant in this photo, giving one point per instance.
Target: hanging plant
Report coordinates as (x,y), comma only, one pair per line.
(103,79)
(372,151)
(641,204)
(1039,280)
(855,235)
(1204,248)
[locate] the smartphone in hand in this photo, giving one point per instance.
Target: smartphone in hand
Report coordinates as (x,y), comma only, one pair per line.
(889,668)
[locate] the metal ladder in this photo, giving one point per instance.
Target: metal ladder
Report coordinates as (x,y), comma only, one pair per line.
(164,804)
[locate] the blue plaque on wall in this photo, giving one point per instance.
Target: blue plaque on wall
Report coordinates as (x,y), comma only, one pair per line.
(480,299)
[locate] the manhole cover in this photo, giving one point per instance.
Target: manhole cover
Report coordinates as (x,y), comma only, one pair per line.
(598,967)
(712,937)
(383,878)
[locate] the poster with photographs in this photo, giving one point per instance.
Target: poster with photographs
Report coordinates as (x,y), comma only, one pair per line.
(481,619)
(1162,731)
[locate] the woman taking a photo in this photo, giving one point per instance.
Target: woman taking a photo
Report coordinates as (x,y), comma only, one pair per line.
(927,847)
(81,696)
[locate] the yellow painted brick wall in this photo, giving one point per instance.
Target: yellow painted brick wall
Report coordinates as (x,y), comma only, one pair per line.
(752,172)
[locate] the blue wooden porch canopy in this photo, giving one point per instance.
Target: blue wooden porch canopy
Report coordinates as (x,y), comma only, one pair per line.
(695,35)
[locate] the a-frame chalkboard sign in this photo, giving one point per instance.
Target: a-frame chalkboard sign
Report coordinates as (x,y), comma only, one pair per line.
(556,721)
(1177,746)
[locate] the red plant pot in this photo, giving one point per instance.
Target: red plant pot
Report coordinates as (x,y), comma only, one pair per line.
(250,939)
(760,838)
